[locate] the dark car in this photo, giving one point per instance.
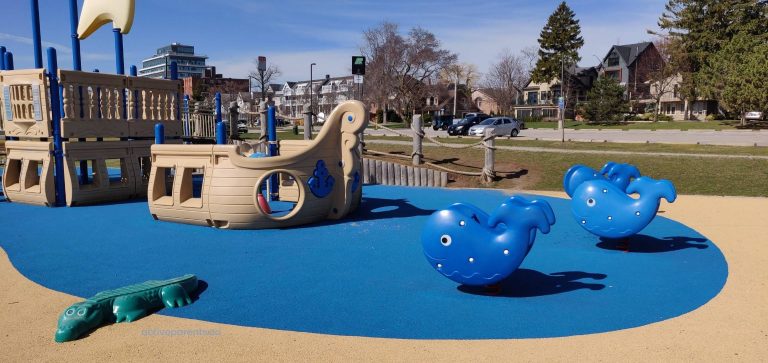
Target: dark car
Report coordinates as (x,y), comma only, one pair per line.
(469,120)
(442,122)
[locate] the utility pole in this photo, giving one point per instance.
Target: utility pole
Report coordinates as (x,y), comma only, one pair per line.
(455,92)
(561,104)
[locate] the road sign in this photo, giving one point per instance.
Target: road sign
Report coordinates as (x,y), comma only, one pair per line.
(358,65)
(357,78)
(262,64)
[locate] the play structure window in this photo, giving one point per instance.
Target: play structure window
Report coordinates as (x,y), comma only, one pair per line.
(191,192)
(145,166)
(13,174)
(88,169)
(117,169)
(32,176)
(278,195)
(162,190)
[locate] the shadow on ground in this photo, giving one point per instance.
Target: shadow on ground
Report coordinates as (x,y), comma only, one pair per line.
(531,283)
(647,244)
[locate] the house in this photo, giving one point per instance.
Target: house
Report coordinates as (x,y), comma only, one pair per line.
(671,104)
(326,93)
(631,65)
(540,100)
(485,102)
(440,99)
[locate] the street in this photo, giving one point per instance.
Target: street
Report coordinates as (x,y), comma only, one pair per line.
(705,137)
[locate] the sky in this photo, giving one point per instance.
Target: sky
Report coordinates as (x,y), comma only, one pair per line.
(293,34)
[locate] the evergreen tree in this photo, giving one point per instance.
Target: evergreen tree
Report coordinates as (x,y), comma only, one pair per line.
(703,28)
(559,43)
(738,75)
(605,101)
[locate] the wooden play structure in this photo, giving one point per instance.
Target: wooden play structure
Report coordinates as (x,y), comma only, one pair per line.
(103,123)
(321,177)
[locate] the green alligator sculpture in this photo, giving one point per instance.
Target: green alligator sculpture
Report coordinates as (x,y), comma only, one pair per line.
(127,303)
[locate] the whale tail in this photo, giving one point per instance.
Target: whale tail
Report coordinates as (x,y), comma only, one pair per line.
(652,188)
(96,13)
(576,175)
(520,211)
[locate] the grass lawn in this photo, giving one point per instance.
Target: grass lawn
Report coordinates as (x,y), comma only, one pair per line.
(538,170)
(661,125)
(603,146)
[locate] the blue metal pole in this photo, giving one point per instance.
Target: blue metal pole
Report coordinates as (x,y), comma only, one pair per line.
(274,186)
(2,58)
(58,153)
(159,133)
(76,63)
(8,61)
(36,42)
(119,59)
(221,133)
(217,107)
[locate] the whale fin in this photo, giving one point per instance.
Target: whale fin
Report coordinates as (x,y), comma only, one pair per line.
(519,211)
(96,13)
(652,188)
(606,169)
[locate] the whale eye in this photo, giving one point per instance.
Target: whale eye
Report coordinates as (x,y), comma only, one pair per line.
(591,202)
(81,312)
(445,240)
(70,312)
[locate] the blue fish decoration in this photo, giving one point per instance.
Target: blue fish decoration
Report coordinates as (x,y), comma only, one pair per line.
(605,210)
(617,173)
(468,246)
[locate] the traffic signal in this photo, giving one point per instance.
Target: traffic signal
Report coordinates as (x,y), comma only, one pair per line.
(358,65)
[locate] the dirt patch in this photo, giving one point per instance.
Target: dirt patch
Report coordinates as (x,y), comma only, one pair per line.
(509,175)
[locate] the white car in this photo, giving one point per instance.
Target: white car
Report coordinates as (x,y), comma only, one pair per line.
(753,115)
(501,126)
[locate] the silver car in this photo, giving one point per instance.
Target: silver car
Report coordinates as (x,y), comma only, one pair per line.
(753,115)
(501,126)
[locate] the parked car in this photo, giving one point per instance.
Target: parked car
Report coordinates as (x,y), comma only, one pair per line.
(242,127)
(461,127)
(442,122)
(500,125)
(754,116)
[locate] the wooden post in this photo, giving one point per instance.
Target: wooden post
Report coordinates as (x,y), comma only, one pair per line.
(489,141)
(418,136)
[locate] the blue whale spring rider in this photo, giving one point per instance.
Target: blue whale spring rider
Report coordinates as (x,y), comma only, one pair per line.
(602,207)
(468,246)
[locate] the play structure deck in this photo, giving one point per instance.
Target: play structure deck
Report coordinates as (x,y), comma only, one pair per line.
(101,122)
(322,177)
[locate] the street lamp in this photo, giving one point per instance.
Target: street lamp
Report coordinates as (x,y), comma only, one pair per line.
(310,89)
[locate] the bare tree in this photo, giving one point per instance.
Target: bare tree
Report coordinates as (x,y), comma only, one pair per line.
(263,79)
(663,77)
(506,77)
(402,67)
(460,73)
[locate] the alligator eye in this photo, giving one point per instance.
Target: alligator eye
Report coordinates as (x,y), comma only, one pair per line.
(591,202)
(445,240)
(81,312)
(70,312)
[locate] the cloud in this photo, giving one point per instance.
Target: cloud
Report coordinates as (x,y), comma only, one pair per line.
(28,41)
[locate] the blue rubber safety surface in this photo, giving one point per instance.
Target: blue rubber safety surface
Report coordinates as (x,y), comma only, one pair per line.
(366,275)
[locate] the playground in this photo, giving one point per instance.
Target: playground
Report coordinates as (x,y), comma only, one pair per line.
(135,226)
(337,313)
